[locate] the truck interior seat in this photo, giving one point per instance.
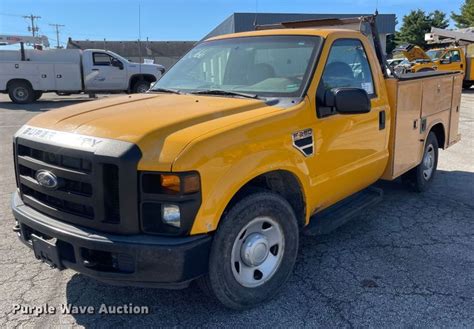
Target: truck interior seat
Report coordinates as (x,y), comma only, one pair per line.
(260,72)
(338,70)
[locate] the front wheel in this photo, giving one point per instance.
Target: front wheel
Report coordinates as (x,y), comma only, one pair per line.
(421,177)
(253,252)
(141,86)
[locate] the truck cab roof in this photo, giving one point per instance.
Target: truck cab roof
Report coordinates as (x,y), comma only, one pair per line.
(320,32)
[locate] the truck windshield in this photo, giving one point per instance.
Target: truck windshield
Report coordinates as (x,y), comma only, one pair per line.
(267,66)
(434,54)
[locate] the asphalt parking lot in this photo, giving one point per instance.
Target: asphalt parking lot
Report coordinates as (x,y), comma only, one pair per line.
(407,262)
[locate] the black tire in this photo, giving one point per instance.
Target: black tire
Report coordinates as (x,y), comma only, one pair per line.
(20,92)
(467,85)
(141,86)
(417,178)
(221,282)
(38,94)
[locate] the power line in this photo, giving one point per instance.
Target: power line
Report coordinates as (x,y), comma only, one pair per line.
(12,15)
(57,26)
(33,28)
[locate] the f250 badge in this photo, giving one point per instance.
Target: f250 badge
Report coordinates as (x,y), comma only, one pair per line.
(303,141)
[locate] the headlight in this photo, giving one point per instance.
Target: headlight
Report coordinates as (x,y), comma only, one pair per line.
(169,202)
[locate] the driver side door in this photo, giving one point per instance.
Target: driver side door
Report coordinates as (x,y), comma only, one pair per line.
(451,61)
(351,149)
(102,75)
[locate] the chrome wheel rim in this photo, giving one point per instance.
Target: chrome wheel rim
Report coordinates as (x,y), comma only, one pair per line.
(21,93)
(257,252)
(428,162)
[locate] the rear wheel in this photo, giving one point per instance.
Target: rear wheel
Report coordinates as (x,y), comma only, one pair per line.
(20,92)
(253,252)
(141,86)
(467,85)
(421,177)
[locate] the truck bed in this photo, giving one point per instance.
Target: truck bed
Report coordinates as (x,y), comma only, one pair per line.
(419,102)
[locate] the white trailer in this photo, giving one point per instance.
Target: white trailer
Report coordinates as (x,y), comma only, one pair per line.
(26,74)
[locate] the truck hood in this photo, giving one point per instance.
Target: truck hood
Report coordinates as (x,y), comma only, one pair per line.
(160,124)
(412,52)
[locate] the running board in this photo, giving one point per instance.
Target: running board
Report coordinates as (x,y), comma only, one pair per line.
(337,215)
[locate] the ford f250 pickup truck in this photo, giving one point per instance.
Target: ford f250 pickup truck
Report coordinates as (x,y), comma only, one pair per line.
(249,140)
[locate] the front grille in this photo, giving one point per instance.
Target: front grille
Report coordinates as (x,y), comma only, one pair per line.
(96,182)
(88,189)
(111,195)
(56,159)
(73,197)
(60,204)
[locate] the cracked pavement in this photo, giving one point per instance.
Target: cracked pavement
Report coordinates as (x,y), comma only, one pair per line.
(406,262)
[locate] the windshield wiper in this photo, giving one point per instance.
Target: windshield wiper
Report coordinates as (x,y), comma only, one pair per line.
(224,93)
(164,90)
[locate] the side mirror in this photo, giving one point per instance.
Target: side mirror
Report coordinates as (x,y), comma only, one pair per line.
(446,60)
(348,100)
(115,62)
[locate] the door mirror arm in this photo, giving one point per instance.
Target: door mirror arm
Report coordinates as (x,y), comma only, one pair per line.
(347,100)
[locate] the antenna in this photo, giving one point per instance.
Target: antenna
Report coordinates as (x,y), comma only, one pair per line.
(139,35)
(256,13)
(139,22)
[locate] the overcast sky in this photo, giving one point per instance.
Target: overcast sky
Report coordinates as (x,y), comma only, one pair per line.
(175,19)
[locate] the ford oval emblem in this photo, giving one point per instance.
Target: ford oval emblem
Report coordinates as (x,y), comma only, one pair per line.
(46,179)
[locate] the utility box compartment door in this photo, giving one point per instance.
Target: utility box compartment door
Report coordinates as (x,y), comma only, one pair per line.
(407,144)
(436,95)
(46,80)
(67,77)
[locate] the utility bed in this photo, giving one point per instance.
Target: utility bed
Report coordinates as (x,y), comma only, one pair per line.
(419,102)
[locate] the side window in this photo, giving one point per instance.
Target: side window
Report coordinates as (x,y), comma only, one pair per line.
(454,55)
(101,59)
(347,66)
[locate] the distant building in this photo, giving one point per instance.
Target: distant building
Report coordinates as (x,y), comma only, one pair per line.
(167,53)
(242,22)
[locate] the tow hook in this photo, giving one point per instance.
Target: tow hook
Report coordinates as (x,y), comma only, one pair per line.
(16,228)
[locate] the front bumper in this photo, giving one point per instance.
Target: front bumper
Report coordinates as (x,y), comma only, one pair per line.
(131,260)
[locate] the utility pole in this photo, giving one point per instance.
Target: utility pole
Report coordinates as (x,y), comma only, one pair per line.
(32,28)
(57,26)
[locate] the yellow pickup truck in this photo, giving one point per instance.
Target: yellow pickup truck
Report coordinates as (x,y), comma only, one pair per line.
(454,59)
(442,59)
(248,141)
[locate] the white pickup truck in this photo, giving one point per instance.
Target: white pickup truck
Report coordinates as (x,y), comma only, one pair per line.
(25,75)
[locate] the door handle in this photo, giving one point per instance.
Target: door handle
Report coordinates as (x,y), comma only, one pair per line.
(382,120)
(95,69)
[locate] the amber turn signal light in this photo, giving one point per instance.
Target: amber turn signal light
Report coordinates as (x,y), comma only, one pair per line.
(186,184)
